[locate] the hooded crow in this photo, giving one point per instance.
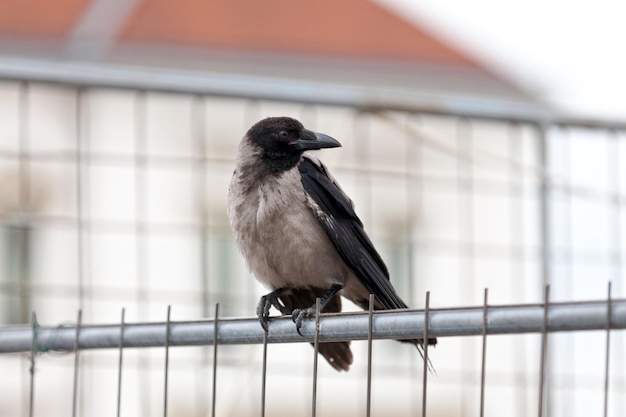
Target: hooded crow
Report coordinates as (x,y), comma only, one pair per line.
(299,233)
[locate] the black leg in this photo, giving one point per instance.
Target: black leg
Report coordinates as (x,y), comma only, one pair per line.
(298,315)
(265,303)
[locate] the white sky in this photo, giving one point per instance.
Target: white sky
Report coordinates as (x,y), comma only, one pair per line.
(570,53)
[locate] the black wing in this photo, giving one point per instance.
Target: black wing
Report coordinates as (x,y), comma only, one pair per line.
(346,232)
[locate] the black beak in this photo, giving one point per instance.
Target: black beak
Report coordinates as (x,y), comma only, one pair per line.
(309,141)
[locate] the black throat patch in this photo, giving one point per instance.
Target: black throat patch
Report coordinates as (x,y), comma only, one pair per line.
(278,161)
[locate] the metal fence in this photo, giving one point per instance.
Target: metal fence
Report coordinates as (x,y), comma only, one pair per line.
(112,192)
(544,319)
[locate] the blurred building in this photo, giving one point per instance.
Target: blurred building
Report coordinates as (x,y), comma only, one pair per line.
(353,43)
(120,123)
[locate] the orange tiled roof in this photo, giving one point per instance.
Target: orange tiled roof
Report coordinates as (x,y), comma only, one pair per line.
(50,18)
(347,28)
(330,28)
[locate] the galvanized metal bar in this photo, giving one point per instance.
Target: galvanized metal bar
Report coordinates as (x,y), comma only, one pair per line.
(91,74)
(397,324)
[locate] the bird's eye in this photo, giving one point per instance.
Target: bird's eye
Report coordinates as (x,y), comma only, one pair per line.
(283,134)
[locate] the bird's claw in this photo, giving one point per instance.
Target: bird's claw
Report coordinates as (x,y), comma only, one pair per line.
(263,309)
(298,315)
(263,312)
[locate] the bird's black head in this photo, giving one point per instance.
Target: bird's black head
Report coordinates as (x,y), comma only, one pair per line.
(282,141)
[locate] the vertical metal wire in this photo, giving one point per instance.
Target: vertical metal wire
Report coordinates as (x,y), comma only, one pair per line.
(615,241)
(484,352)
(80,220)
(316,348)
(425,353)
(415,210)
(215,344)
(76,362)
(264,373)
(607,352)
(544,207)
(566,255)
(465,182)
(167,359)
(201,193)
(618,232)
(544,350)
(140,234)
(199,124)
(615,221)
(545,223)
(518,221)
(119,364)
(79,195)
(414,198)
(370,327)
(465,208)
(24,198)
(141,157)
(24,202)
(33,354)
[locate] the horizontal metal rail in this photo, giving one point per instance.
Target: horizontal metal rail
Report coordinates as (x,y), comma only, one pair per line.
(364,98)
(399,324)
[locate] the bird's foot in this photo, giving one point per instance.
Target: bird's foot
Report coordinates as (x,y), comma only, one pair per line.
(265,304)
(263,312)
(299,315)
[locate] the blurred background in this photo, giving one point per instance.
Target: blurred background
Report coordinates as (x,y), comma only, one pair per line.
(483,145)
